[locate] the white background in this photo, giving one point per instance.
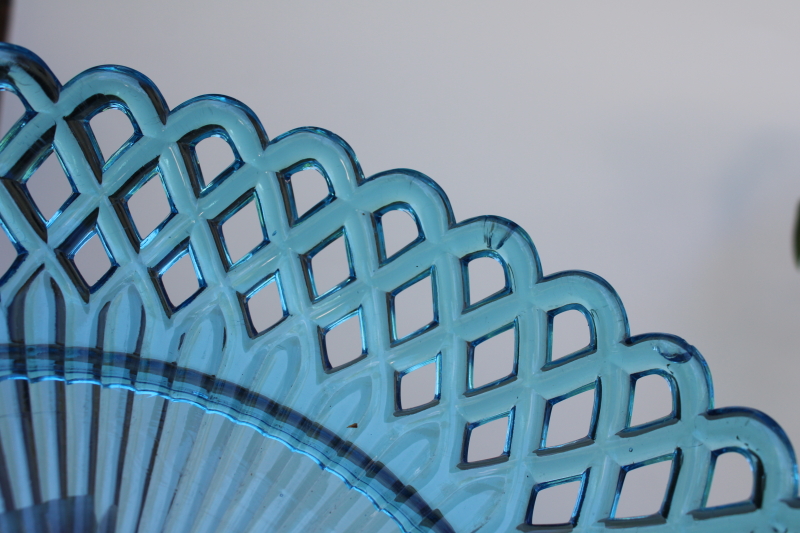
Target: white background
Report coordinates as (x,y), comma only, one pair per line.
(655,144)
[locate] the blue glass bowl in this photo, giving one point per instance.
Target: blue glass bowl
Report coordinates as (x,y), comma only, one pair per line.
(176,381)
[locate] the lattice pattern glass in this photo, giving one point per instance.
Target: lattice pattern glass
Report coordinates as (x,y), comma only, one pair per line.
(111,381)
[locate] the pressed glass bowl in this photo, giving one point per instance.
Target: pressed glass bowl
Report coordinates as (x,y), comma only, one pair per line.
(177,381)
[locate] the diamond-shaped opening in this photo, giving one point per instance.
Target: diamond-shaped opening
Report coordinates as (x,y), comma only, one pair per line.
(329,266)
(343,342)
(241,229)
(397,230)
(180,277)
(418,386)
(8,250)
(572,417)
(488,440)
(265,305)
(86,257)
(493,358)
(652,398)
(732,478)
(485,278)
(11,252)
(413,308)
(50,187)
(556,503)
(644,489)
(12,110)
(306,189)
(570,334)
(93,260)
(112,130)
(150,206)
(215,156)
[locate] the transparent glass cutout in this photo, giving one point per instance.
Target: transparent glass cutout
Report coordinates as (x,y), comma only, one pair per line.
(11,110)
(149,206)
(570,419)
(570,334)
(214,156)
(180,280)
(652,399)
(398,230)
(556,504)
(243,232)
(92,260)
(49,187)
(488,440)
(732,480)
(644,490)
(330,267)
(413,308)
(419,386)
(308,187)
(265,306)
(8,252)
(111,129)
(486,277)
(494,358)
(344,342)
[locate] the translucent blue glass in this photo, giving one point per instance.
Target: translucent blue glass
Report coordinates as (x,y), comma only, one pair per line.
(156,398)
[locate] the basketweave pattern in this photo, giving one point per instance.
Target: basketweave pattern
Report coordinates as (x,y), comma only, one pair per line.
(495,494)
